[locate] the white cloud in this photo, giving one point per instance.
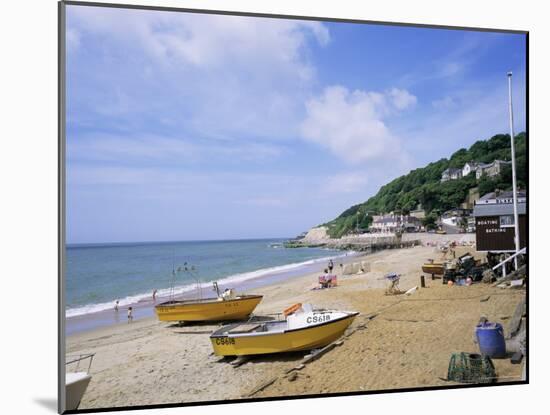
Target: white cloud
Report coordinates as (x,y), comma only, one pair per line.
(203,40)
(402,99)
(218,75)
(351,123)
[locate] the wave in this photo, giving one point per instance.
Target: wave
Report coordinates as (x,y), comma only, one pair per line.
(178,290)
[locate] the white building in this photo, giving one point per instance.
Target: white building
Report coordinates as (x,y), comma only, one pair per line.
(469,167)
(491,169)
(454,217)
(393,223)
(451,174)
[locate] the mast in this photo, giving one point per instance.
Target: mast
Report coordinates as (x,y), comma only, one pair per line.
(514,185)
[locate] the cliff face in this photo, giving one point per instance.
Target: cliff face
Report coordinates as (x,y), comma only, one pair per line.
(316,235)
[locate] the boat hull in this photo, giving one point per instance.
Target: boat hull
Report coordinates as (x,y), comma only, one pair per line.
(307,338)
(75,386)
(208,310)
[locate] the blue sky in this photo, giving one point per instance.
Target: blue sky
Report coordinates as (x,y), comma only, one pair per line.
(185,126)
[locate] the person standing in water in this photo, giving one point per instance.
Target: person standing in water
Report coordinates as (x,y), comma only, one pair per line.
(130,315)
(154,295)
(116,305)
(330,266)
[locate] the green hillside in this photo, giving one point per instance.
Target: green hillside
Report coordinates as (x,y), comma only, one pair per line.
(423,185)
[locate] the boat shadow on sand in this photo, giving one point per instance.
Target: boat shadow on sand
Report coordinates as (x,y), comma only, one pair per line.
(264,358)
(216,324)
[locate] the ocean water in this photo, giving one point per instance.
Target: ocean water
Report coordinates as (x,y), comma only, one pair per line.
(99,274)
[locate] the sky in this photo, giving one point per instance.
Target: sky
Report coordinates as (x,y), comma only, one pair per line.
(188,126)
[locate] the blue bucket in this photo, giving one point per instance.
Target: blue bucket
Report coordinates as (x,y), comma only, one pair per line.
(490,337)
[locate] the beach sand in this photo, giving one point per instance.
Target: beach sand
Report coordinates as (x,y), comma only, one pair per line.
(408,343)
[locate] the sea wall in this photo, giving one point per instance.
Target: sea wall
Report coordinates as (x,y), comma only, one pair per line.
(318,237)
(365,242)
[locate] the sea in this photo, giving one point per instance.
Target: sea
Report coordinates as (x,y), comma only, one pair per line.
(99,274)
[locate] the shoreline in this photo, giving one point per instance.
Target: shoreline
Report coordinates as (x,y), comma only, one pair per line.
(144,308)
(396,341)
(408,344)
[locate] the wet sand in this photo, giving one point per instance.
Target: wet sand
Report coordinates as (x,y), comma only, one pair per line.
(407,344)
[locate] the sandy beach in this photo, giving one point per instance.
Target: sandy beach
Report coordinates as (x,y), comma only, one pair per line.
(407,344)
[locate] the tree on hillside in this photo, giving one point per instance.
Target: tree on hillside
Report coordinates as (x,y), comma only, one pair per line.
(459,158)
(486,185)
(430,221)
(479,150)
(424,186)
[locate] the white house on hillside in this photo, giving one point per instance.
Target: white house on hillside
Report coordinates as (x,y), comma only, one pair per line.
(491,169)
(469,167)
(451,174)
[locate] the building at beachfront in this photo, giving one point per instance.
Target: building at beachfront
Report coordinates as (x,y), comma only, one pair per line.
(456,218)
(395,223)
(494,221)
(491,169)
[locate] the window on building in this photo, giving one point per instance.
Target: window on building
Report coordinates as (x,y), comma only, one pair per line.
(506,221)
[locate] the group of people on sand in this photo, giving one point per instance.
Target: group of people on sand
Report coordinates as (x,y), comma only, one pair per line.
(328,280)
(131,309)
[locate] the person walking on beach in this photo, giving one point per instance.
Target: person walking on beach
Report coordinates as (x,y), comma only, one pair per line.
(116,305)
(130,315)
(330,266)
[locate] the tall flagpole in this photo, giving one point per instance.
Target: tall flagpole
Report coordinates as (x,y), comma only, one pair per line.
(514,186)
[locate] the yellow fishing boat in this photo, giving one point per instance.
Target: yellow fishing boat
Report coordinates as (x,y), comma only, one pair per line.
(208,309)
(306,329)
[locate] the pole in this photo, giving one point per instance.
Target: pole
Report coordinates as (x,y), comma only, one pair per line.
(514,185)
